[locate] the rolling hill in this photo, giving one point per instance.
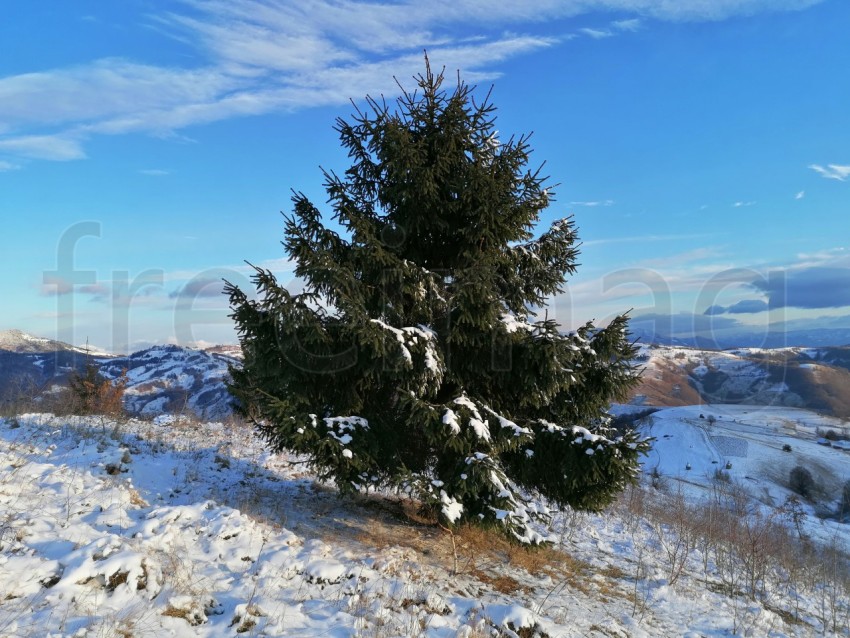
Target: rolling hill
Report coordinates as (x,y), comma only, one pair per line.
(162,379)
(814,378)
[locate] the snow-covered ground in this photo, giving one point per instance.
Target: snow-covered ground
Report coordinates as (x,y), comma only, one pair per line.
(180,528)
(745,443)
(748,437)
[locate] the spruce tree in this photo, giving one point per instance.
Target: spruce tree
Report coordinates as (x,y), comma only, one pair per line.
(412,358)
(92,393)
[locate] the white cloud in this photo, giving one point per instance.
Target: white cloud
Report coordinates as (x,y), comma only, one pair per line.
(645,238)
(594,204)
(743,204)
(261,56)
(614,28)
(632,24)
(832,171)
(597,34)
(154,172)
(829,258)
(8,166)
(49,147)
(800,195)
(105,89)
(712,9)
(689,258)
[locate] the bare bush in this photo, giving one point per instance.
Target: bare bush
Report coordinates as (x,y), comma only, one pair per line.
(845,500)
(801,481)
(748,551)
(89,392)
(20,395)
(676,534)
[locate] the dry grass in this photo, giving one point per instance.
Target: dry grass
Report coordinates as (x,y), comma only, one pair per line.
(490,557)
(136,498)
(173,612)
(487,555)
(748,554)
(667,385)
(488,548)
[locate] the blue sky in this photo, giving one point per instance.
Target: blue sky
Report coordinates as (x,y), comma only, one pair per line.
(146,149)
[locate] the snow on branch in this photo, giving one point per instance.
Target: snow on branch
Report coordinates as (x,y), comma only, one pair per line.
(413,338)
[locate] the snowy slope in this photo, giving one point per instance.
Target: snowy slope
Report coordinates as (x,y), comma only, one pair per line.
(194,529)
(750,440)
(19,341)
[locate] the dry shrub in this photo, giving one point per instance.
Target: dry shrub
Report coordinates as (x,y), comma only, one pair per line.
(483,550)
(679,538)
(801,481)
(20,394)
(749,551)
(89,392)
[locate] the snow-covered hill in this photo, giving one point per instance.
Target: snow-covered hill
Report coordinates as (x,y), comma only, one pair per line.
(19,341)
(744,444)
(174,380)
(162,379)
(186,529)
(816,378)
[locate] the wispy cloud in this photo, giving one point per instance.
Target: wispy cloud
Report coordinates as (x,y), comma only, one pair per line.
(154,172)
(689,258)
(645,238)
(832,171)
(55,287)
(200,287)
(8,166)
(262,56)
(800,195)
(743,204)
(632,24)
(614,28)
(60,147)
(594,204)
(832,257)
(597,34)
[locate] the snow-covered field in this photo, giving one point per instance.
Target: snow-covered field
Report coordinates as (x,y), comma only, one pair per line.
(180,528)
(746,443)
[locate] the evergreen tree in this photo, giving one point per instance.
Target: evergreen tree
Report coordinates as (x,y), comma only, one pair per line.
(411,358)
(92,393)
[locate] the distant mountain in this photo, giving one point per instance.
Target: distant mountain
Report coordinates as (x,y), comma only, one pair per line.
(173,379)
(162,379)
(234,352)
(724,340)
(19,341)
(816,378)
